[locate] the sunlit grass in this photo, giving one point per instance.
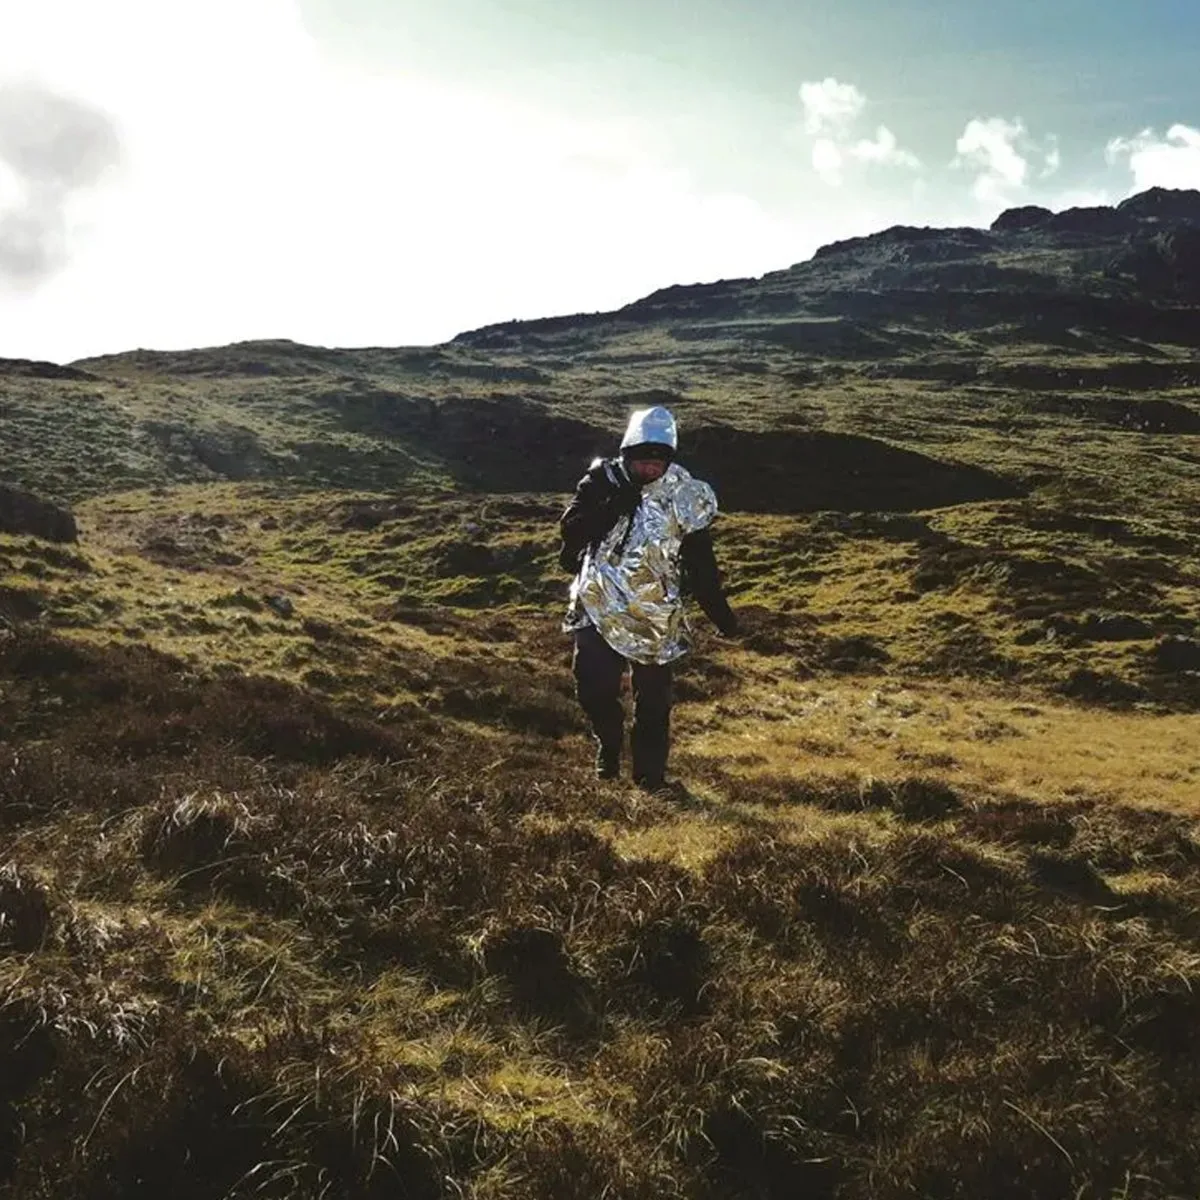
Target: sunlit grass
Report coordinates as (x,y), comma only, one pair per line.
(306,888)
(1009,743)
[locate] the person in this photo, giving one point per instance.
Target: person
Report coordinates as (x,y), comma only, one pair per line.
(636,538)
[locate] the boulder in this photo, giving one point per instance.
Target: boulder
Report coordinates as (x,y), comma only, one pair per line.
(1115,627)
(1164,204)
(280,604)
(23,512)
(1101,687)
(1176,655)
(1028,216)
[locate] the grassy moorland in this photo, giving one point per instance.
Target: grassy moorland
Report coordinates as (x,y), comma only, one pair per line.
(305,887)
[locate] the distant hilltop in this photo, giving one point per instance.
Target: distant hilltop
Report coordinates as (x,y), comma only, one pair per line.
(1088,264)
(1146,213)
(1134,267)
(1168,205)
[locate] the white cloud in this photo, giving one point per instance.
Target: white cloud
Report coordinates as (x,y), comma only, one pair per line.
(1005,157)
(884,150)
(828,160)
(1170,162)
(831,111)
(830,106)
(267,193)
(12,187)
(990,147)
(51,149)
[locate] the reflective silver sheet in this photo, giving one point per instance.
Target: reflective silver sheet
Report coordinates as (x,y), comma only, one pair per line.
(629,588)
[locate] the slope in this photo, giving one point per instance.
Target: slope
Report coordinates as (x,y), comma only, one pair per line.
(305,889)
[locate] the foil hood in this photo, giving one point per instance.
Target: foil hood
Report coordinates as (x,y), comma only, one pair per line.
(655,425)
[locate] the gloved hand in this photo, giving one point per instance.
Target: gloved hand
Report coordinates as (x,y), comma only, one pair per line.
(623,498)
(726,621)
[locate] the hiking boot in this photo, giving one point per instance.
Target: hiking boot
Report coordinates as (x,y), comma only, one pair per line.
(655,785)
(664,789)
(608,763)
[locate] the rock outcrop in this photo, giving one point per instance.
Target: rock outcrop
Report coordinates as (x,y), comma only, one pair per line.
(1167,261)
(1176,205)
(1015,220)
(34,369)
(1033,264)
(23,512)
(1095,221)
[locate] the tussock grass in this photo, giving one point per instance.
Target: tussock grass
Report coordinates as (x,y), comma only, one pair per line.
(305,889)
(321,893)
(323,954)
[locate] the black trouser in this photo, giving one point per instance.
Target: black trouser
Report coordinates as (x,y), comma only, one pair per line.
(598,673)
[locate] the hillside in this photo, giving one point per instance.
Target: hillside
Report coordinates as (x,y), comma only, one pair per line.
(306,889)
(1033,391)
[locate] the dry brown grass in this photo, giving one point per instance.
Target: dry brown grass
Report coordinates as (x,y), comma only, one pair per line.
(305,888)
(1014,742)
(328,902)
(321,954)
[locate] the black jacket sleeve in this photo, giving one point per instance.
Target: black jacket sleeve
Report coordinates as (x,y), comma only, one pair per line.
(602,497)
(702,579)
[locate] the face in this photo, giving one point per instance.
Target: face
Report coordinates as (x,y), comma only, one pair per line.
(647,470)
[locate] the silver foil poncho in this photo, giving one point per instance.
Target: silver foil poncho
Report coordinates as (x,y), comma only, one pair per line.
(629,587)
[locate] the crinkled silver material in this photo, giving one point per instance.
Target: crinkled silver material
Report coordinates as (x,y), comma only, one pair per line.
(629,588)
(651,426)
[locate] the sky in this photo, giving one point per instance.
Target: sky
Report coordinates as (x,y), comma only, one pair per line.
(181,173)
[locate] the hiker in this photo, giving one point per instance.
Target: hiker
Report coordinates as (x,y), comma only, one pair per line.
(636,537)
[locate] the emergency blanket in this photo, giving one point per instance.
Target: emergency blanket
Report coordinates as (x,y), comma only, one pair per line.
(629,586)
